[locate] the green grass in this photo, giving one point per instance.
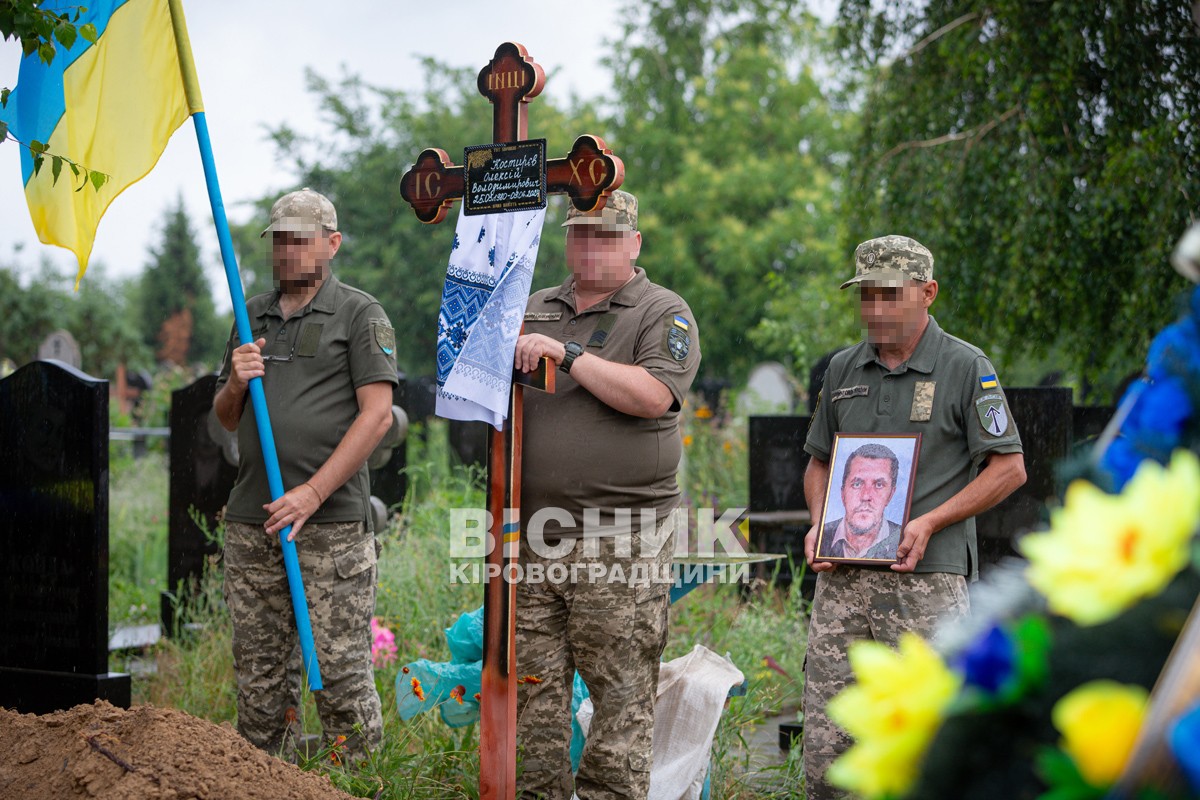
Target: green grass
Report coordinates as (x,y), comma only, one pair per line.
(424,758)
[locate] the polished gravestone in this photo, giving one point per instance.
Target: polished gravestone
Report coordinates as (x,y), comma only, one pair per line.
(54,540)
(779,517)
(388,465)
(203,470)
(1045,419)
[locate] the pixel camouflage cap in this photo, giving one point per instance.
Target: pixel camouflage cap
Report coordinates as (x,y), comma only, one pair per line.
(890,260)
(304,211)
(620,213)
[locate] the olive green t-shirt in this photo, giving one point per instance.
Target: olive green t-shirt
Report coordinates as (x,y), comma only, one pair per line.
(314,362)
(949,393)
(580,453)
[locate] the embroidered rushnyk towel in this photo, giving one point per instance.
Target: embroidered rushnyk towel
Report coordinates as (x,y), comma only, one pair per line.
(483,304)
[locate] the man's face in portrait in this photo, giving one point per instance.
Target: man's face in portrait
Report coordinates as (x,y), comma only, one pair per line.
(866,492)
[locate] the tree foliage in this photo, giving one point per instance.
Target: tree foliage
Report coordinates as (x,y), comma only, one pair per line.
(98,316)
(174,287)
(1048,155)
(733,142)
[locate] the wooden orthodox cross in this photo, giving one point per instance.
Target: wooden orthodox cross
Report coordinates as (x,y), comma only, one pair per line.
(588,174)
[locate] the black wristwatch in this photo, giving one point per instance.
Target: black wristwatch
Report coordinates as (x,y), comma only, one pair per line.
(574,351)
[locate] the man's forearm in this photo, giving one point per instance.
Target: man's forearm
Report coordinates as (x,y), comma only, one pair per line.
(1004,474)
(628,388)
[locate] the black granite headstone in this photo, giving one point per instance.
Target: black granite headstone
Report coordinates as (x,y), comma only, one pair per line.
(1044,416)
(779,516)
(469,441)
(389,476)
(54,541)
(203,471)
(1089,422)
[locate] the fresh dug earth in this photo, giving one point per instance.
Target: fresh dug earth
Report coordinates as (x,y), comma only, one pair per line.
(145,753)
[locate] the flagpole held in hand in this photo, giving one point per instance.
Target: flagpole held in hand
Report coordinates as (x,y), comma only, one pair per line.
(258,398)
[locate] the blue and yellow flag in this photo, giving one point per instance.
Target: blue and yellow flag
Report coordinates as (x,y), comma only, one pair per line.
(110,106)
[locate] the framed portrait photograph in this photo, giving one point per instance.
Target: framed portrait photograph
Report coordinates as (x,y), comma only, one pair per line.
(869,496)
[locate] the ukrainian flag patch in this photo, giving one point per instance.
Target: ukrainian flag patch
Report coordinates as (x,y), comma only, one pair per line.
(988,382)
(680,322)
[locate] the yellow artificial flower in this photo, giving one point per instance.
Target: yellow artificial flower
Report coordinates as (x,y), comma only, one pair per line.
(1103,553)
(893,712)
(1099,722)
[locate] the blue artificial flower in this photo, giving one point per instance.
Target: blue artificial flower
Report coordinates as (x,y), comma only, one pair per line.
(1121,460)
(1175,351)
(1184,738)
(1160,410)
(990,662)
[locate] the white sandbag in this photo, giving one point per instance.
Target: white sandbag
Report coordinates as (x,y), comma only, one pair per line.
(691,696)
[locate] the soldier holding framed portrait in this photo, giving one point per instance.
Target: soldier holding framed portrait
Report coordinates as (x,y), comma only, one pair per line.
(907,376)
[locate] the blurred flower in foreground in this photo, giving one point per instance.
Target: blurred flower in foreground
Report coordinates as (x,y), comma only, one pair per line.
(417,691)
(893,712)
(1099,722)
(1103,553)
(1007,660)
(383,644)
(1184,736)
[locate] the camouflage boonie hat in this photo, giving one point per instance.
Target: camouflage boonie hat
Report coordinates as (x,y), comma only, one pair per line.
(890,260)
(304,211)
(618,214)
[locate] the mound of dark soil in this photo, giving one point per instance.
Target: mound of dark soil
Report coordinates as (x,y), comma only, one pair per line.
(145,753)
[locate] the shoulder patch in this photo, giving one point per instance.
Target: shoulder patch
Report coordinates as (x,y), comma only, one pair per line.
(993,413)
(384,336)
(678,341)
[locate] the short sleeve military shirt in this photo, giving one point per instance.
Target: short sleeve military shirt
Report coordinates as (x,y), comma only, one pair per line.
(580,453)
(948,392)
(314,362)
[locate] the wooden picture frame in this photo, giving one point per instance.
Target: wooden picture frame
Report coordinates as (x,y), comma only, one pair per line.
(870,533)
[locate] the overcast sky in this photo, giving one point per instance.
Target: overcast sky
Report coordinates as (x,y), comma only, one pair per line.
(251,57)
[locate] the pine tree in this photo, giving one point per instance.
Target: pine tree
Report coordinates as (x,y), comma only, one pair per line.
(178,317)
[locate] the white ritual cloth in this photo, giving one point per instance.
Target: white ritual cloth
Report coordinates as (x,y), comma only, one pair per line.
(483,304)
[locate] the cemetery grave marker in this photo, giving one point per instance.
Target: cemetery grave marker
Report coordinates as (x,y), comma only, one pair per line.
(54,537)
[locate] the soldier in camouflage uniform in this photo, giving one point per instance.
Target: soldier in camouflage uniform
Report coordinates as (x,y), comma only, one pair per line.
(906,376)
(326,355)
(607,444)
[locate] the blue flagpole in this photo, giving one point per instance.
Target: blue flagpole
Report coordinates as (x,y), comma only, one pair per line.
(258,400)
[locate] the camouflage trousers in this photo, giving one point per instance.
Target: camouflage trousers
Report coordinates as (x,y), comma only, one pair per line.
(853,604)
(338,564)
(613,633)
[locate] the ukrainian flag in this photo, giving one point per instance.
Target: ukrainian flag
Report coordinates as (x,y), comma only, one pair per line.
(988,381)
(110,106)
